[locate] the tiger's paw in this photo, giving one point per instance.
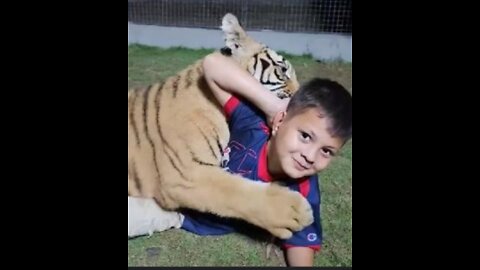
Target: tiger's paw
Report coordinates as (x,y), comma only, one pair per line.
(288,212)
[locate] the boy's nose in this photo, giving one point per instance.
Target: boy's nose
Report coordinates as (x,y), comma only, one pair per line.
(309,156)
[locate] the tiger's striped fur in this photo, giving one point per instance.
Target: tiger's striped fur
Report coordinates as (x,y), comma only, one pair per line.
(176,134)
(271,69)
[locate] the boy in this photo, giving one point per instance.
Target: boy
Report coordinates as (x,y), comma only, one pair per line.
(302,142)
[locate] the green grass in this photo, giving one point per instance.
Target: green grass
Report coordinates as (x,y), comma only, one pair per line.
(149,64)
(179,248)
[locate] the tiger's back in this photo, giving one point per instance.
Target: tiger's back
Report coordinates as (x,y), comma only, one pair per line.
(168,124)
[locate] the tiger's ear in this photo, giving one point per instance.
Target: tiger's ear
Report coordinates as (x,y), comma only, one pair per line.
(234,35)
(231,27)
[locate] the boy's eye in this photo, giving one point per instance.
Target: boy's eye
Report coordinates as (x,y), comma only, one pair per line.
(305,136)
(327,152)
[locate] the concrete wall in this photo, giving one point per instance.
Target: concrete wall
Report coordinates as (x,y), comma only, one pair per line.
(321,46)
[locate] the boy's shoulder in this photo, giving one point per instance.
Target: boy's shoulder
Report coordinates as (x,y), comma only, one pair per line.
(244,118)
(309,187)
(237,107)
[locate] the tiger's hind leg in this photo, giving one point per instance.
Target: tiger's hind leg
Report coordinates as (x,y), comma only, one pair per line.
(274,208)
(133,189)
(146,217)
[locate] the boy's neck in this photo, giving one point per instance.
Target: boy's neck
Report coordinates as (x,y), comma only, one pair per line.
(273,164)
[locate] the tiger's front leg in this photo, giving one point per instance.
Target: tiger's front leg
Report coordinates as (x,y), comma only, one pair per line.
(274,208)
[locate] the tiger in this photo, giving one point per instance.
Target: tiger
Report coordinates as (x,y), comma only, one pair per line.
(177,132)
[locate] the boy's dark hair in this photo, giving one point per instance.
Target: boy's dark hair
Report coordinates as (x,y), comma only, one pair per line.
(333,101)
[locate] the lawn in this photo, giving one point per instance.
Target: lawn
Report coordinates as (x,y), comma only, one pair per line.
(147,65)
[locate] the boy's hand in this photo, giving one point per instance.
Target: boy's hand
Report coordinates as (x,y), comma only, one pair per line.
(277,105)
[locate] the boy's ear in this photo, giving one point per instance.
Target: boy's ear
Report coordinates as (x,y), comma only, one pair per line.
(278,120)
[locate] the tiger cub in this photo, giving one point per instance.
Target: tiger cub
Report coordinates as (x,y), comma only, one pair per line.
(176,134)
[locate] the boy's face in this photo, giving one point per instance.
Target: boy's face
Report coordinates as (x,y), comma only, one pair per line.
(301,144)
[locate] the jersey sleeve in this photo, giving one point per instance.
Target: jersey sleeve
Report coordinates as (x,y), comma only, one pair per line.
(242,115)
(311,236)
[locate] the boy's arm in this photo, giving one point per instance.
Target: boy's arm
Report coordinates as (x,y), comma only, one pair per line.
(225,77)
(300,256)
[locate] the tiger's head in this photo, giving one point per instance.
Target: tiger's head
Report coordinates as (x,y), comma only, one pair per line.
(266,65)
